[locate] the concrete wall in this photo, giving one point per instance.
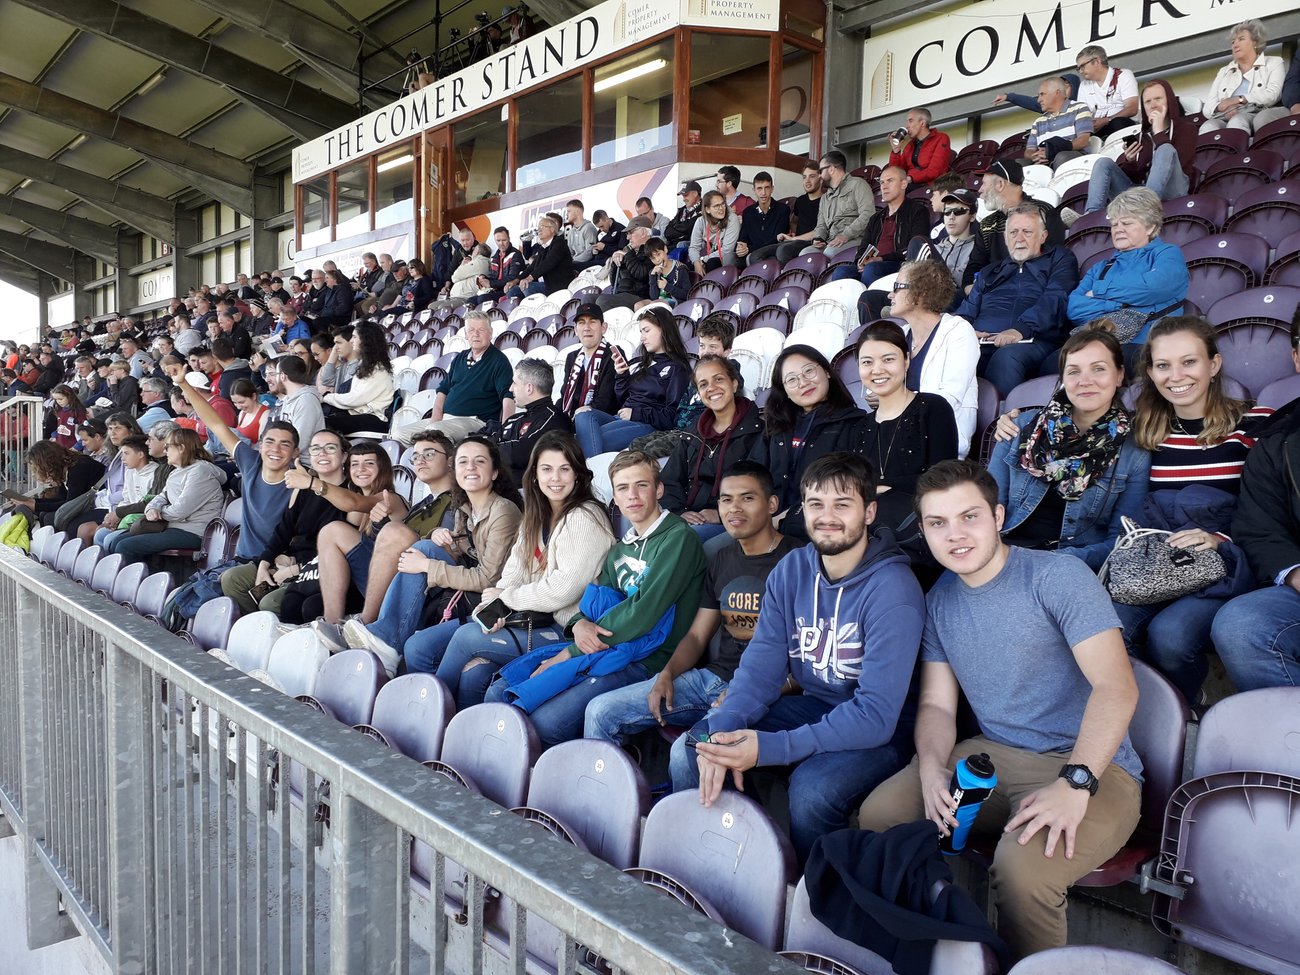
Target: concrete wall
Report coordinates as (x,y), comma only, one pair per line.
(72,957)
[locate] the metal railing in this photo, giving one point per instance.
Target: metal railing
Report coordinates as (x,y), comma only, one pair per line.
(22,422)
(150,784)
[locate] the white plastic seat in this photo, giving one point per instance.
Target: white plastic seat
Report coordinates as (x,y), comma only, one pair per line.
(423,363)
(294,660)
(845,292)
(828,311)
(251,639)
(515,355)
(421,401)
(824,337)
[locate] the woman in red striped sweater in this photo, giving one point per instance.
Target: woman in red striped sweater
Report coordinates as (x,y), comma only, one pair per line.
(1198,436)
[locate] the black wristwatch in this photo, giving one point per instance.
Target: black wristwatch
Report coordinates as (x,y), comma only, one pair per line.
(1080,777)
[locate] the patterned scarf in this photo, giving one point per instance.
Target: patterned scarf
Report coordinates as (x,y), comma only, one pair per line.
(584,379)
(1066,456)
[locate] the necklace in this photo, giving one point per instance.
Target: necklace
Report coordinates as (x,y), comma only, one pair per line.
(884,462)
(1178,427)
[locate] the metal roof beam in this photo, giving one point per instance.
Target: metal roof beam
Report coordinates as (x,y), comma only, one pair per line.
(308,110)
(143,211)
(50,258)
(209,169)
(329,50)
(22,276)
(85,235)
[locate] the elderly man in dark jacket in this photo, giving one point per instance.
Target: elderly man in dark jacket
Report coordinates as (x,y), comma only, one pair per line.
(1018,305)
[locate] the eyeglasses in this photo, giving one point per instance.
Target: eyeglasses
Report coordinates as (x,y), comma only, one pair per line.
(323,448)
(1083,64)
(900,286)
(171,444)
(426,456)
(718,206)
(808,374)
(956,212)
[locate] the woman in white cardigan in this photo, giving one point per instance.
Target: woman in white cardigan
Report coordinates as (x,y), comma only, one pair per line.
(365,405)
(561,547)
(1248,87)
(945,350)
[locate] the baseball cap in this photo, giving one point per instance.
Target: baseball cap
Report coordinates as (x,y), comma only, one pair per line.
(589,311)
(690,185)
(640,222)
(965,197)
(197,380)
(95,427)
(1008,169)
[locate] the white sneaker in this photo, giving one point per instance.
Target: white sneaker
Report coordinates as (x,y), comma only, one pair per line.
(357,636)
(1068,216)
(330,635)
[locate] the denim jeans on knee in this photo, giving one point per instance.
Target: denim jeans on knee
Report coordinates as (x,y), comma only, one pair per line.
(617,715)
(1258,638)
(1172,637)
(469,684)
(1009,366)
(399,615)
(561,718)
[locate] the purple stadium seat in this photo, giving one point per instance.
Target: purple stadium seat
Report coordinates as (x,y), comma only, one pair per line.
(791,298)
(564,337)
(1093,960)
(1224,264)
(725,276)
(536,339)
(845,365)
(769,316)
(346,686)
(988,403)
(570,308)
(1282,137)
(106,572)
(710,291)
(814,264)
(597,792)
(495,314)
(216,545)
(587,294)
(495,745)
(1271,212)
(971,164)
(1076,197)
(748,286)
(67,557)
(1230,840)
(766,270)
(84,566)
(211,625)
(152,594)
(694,308)
(1190,217)
(1096,258)
(796,277)
(1030,394)
(1255,354)
(1014,143)
(127,583)
(550,324)
(732,851)
(1271,305)
(523,325)
(1089,235)
(233,513)
(432,378)
(411,714)
(1214,146)
(1280,392)
(507,340)
(808,936)
(741,305)
(1285,268)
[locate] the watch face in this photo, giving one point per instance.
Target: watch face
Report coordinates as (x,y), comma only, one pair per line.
(1079,776)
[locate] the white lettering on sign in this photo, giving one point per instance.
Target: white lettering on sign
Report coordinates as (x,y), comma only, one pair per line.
(605,29)
(995,43)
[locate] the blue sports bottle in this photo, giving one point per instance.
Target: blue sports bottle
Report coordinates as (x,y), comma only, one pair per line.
(972,781)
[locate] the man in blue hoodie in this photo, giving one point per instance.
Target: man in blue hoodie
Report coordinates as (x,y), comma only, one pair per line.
(842,619)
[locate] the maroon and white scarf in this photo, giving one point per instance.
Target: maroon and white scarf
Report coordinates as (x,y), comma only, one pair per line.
(584,378)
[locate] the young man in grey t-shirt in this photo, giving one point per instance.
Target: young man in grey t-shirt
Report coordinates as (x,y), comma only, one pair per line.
(1033,642)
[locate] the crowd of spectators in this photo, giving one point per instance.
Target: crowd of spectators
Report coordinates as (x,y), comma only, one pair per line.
(762,576)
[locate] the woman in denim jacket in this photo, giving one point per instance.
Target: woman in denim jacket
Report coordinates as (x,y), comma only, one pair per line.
(1073,470)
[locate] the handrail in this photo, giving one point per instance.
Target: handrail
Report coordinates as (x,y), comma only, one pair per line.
(152,783)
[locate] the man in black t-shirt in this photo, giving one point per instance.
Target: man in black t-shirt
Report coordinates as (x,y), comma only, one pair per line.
(684,691)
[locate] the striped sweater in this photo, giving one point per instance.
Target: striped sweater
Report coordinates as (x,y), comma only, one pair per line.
(1180,461)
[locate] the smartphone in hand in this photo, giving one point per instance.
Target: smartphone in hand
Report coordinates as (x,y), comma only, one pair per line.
(487,615)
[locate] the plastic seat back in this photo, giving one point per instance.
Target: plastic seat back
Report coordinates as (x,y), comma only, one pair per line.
(1094,960)
(815,263)
(1280,392)
(212,623)
(1158,732)
(694,308)
(755,286)
(1190,217)
(725,276)
(84,566)
(127,583)
(294,661)
(251,638)
(845,291)
(1271,212)
(767,270)
(1233,176)
(595,789)
(1269,305)
(792,298)
(732,851)
(347,683)
(152,594)
(1251,731)
(1256,354)
(66,559)
(1282,137)
(1030,394)
(495,745)
(39,538)
(824,337)
(770,317)
(412,712)
(105,574)
(1223,264)
(741,305)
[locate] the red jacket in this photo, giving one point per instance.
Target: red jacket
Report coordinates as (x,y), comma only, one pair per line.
(934,160)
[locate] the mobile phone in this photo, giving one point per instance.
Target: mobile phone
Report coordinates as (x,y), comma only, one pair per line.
(618,353)
(487,615)
(1130,139)
(694,738)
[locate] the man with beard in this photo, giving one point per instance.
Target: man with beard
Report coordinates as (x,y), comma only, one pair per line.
(842,619)
(1002,190)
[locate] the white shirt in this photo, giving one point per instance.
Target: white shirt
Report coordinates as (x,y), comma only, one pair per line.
(1106,97)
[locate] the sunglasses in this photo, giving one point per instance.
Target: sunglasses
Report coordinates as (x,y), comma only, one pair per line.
(956,212)
(900,286)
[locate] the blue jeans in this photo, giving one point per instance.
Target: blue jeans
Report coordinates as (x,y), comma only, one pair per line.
(599,433)
(472,658)
(1165,178)
(824,788)
(1258,638)
(399,615)
(133,548)
(868,275)
(536,288)
(705,532)
(1173,637)
(358,559)
(560,718)
(617,715)
(1009,366)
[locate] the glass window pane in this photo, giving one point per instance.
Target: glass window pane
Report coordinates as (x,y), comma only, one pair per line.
(208,222)
(316,212)
(796,100)
(245,257)
(550,133)
(394,186)
(226,271)
(633,104)
(729,81)
(353,200)
(208,268)
(226,219)
(478,158)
